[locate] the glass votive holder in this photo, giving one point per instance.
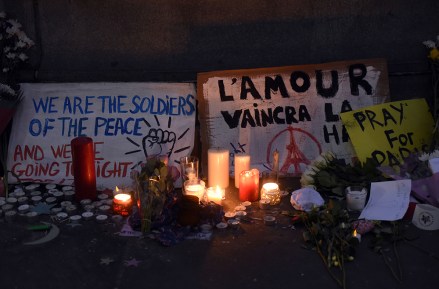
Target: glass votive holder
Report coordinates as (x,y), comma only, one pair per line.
(271,192)
(355,198)
(195,187)
(122,204)
(189,168)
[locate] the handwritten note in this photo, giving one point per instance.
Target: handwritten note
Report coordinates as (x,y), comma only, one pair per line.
(388,201)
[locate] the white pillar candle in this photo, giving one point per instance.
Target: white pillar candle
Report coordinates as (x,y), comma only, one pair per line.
(242,163)
(218,167)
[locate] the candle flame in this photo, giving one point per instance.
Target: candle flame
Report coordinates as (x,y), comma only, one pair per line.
(117,189)
(123,197)
(355,233)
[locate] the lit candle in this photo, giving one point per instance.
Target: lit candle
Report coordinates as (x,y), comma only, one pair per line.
(242,163)
(356,235)
(83,162)
(249,185)
(195,188)
(122,204)
(271,192)
(215,195)
(218,167)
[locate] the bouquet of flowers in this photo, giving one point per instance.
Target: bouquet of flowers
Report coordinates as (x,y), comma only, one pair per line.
(329,175)
(433,47)
(14,44)
(433,56)
(153,186)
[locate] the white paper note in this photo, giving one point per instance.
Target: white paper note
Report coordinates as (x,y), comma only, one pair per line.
(388,201)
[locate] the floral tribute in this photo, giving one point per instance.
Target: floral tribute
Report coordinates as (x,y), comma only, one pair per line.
(433,46)
(14,43)
(433,57)
(330,176)
(154,187)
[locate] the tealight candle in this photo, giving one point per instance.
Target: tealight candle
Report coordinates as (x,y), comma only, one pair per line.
(32,217)
(215,195)
(36,199)
(22,200)
(87,215)
(23,209)
(75,218)
(269,220)
(11,200)
(101,218)
(32,187)
(10,215)
(242,163)
(229,215)
(102,197)
(249,185)
(122,204)
(69,195)
(50,186)
(105,209)
(218,167)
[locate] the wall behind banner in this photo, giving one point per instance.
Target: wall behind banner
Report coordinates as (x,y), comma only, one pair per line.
(172,40)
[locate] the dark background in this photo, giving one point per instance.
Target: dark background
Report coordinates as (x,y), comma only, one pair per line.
(173,40)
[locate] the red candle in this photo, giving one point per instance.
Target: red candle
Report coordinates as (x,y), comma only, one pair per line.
(249,185)
(122,204)
(83,163)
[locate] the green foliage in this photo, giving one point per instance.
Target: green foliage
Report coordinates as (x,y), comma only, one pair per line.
(153,185)
(333,178)
(330,233)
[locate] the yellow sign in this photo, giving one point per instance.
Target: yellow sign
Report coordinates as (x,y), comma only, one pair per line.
(389,132)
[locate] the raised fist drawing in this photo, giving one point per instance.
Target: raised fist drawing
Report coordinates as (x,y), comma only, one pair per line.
(153,141)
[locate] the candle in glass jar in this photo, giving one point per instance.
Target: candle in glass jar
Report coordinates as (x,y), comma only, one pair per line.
(249,185)
(271,192)
(218,167)
(83,163)
(215,195)
(242,163)
(195,188)
(122,204)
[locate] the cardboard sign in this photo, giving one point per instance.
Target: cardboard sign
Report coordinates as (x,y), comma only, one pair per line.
(127,122)
(294,110)
(389,132)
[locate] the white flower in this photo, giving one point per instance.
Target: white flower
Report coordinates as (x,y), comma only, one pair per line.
(306,180)
(23,37)
(320,161)
(6,89)
(429,44)
(22,56)
(20,44)
(10,55)
(423,157)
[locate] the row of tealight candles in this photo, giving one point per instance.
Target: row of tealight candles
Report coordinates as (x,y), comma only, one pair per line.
(246,180)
